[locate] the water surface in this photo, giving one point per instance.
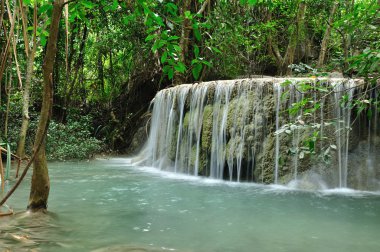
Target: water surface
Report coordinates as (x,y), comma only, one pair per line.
(108,205)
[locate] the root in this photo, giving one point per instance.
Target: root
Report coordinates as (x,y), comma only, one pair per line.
(10,212)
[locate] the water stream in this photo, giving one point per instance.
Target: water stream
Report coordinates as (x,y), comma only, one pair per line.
(108,205)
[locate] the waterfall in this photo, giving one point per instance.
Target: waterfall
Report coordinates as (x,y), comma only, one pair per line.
(226,130)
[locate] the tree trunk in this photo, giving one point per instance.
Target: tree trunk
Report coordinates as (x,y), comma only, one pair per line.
(288,59)
(100,70)
(78,65)
(294,38)
(25,104)
(111,69)
(180,78)
(326,37)
(1,12)
(31,53)
(40,186)
(8,92)
(347,36)
(3,60)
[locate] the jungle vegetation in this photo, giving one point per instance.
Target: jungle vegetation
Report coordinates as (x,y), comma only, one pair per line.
(77,76)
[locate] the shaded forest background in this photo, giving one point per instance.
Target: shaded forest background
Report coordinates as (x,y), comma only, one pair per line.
(113,56)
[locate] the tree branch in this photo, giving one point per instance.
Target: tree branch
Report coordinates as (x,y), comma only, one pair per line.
(203,8)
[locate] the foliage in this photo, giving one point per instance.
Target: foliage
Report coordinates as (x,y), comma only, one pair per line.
(303,114)
(72,140)
(367,64)
(162,19)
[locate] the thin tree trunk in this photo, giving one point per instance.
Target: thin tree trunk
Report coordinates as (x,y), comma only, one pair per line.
(1,12)
(180,78)
(78,66)
(294,38)
(66,84)
(326,37)
(26,94)
(8,91)
(40,186)
(24,20)
(347,36)
(100,70)
(25,105)
(284,61)
(72,81)
(3,61)
(111,69)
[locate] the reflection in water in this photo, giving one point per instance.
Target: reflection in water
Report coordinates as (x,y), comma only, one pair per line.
(107,206)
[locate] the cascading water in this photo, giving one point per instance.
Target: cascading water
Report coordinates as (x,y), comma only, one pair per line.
(343,122)
(226,130)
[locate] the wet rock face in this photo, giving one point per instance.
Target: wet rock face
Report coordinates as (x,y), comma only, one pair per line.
(140,137)
(226,130)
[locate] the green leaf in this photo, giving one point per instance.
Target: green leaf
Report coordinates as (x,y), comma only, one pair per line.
(170,73)
(205,62)
(188,15)
(158,44)
(172,8)
(197,33)
(157,19)
(150,37)
(180,67)
(43,40)
(196,51)
(164,57)
(311,146)
(87,4)
(44,8)
(173,38)
(216,50)
(197,68)
(126,20)
(115,4)
(177,48)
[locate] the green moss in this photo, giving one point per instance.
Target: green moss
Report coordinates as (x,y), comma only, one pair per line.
(186,120)
(207,124)
(173,146)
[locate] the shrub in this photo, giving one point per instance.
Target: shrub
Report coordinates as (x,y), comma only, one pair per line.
(72,140)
